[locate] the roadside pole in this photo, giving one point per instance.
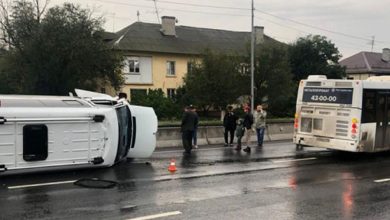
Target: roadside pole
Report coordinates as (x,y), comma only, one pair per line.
(252,59)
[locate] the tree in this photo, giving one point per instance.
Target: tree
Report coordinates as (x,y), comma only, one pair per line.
(273,78)
(164,107)
(214,81)
(56,51)
(315,55)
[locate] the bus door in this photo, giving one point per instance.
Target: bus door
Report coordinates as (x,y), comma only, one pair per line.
(382,136)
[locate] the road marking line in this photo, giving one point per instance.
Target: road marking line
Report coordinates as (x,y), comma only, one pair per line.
(161,215)
(382,180)
(294,160)
(41,184)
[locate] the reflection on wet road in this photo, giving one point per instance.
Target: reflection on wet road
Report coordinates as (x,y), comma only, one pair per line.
(275,182)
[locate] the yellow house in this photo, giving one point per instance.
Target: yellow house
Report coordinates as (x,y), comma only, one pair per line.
(158,56)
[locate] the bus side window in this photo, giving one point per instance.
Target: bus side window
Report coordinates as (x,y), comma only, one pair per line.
(368,113)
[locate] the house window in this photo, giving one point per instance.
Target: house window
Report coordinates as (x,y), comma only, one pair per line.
(171,68)
(189,67)
(244,69)
(131,65)
(137,93)
(171,93)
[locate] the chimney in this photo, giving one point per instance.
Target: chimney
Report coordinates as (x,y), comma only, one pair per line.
(386,54)
(168,25)
(259,34)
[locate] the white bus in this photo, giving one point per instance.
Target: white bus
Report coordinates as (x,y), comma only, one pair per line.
(347,115)
(63,132)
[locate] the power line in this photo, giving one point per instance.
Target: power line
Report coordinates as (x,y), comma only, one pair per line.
(171,9)
(306,32)
(201,5)
(260,11)
(322,29)
(285,26)
(314,27)
(122,3)
(158,17)
(236,8)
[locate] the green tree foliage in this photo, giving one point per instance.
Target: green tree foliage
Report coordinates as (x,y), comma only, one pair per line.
(273,79)
(315,55)
(182,97)
(56,51)
(214,82)
(164,107)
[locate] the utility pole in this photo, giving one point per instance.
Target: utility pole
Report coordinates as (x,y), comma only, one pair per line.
(372,43)
(252,60)
(138,15)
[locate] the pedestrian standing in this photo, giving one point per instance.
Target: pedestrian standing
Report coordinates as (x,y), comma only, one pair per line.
(240,131)
(229,123)
(260,116)
(188,124)
(248,123)
(195,135)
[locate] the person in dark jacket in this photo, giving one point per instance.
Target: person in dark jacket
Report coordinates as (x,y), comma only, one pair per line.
(188,124)
(248,122)
(229,123)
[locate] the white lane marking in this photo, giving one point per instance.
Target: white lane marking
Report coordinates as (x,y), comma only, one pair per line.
(161,215)
(41,184)
(294,160)
(382,180)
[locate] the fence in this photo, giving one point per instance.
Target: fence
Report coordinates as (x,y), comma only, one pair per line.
(171,136)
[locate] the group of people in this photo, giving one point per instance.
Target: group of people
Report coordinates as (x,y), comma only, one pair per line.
(244,127)
(233,126)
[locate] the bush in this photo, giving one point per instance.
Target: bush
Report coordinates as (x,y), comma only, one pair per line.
(164,107)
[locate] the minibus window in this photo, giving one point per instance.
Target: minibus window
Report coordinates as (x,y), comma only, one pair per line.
(35,142)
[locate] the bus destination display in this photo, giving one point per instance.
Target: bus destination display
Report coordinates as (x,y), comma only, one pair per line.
(328,95)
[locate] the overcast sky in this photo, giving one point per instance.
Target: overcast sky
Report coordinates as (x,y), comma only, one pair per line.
(350,24)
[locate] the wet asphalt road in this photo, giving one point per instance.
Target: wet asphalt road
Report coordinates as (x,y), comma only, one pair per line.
(276,182)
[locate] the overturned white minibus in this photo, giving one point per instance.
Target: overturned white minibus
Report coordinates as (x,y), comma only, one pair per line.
(63,132)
